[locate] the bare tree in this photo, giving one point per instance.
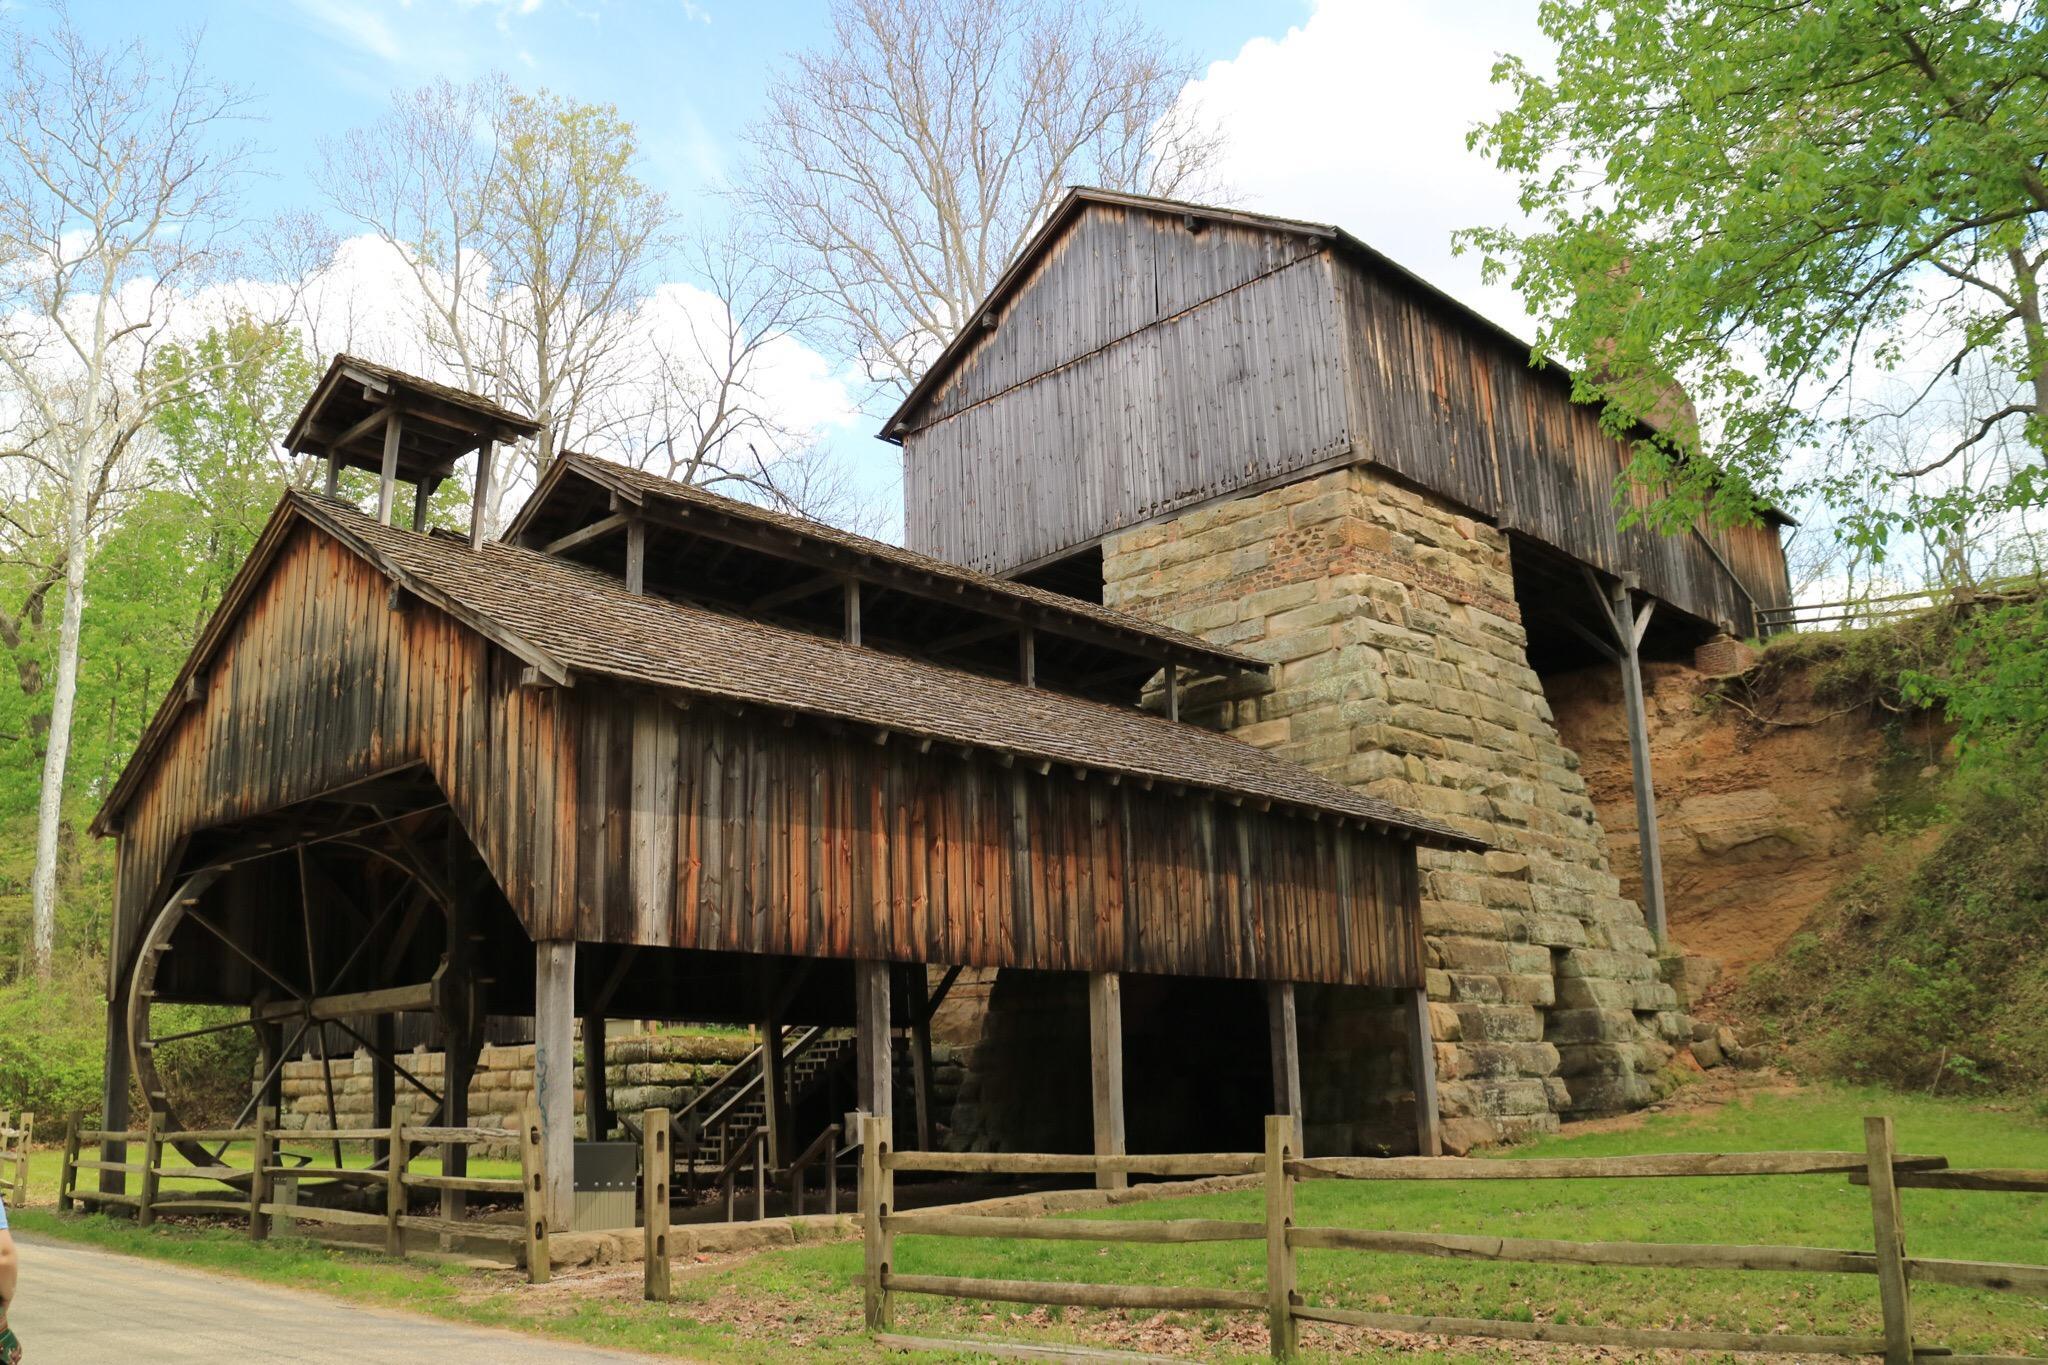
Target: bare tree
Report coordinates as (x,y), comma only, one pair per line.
(528,233)
(701,406)
(901,166)
(115,187)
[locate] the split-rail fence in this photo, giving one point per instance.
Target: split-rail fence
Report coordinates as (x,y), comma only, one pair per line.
(15,1137)
(1878,1166)
(265,1190)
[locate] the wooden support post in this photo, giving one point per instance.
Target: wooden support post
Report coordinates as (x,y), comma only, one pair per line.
(597,1108)
(1173,692)
(1280,1271)
(384,1077)
(480,493)
(333,484)
(269,1043)
(114,1093)
(67,1174)
(261,1158)
(871,1014)
(554,1074)
(387,479)
(533,1175)
(774,1088)
(1422,1062)
(654,1173)
(920,1011)
(1892,1286)
(1284,1040)
(420,495)
(152,1163)
(394,1191)
(853,611)
(1628,628)
(877,1203)
(636,555)
(1106,1071)
(1027,656)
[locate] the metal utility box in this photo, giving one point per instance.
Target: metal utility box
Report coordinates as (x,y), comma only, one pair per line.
(607,1186)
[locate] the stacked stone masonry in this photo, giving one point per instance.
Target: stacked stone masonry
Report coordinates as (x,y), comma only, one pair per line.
(1401,670)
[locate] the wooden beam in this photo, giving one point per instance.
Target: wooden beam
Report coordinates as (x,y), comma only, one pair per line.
(1027,656)
(636,555)
(796,592)
(871,1022)
(853,611)
(390,998)
(1284,1044)
(554,1073)
(479,498)
(114,1089)
(1106,1071)
(1422,1063)
(374,422)
(421,491)
(597,530)
(597,1113)
(1172,692)
(1628,630)
(920,1010)
(383,1075)
(774,1088)
(387,480)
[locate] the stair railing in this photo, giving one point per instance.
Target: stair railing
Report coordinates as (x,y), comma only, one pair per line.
(756,1146)
(825,1148)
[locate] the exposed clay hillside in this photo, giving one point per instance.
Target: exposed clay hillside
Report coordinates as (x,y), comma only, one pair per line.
(1760,816)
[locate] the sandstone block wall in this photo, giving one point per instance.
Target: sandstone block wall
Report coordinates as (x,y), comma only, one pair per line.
(1401,670)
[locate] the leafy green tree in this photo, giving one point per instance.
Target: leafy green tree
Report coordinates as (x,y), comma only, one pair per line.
(1812,217)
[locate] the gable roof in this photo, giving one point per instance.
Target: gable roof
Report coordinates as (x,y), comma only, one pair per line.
(1080,198)
(1049,609)
(566,620)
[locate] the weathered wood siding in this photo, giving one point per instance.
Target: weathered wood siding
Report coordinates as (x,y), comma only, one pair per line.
(1143,367)
(1076,415)
(1459,410)
(611,816)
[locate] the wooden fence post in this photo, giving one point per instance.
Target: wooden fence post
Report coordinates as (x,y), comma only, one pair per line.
(67,1174)
(152,1158)
(260,1161)
(1892,1287)
(877,1202)
(26,1137)
(654,1173)
(396,1158)
(1280,1278)
(533,1172)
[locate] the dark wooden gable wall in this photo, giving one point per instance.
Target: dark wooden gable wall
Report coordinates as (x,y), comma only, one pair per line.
(1078,413)
(614,815)
(1143,366)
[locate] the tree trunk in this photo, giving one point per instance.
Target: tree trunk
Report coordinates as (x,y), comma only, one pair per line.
(50,806)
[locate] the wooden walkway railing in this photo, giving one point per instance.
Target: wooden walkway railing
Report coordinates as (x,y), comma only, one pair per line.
(1281,1301)
(254,1191)
(15,1138)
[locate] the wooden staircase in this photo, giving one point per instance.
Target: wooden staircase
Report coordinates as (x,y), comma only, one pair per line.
(723,1118)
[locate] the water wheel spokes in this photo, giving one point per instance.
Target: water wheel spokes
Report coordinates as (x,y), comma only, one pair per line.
(295,1002)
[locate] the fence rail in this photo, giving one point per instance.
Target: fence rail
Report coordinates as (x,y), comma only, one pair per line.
(15,1137)
(1890,606)
(1877,1166)
(266,1189)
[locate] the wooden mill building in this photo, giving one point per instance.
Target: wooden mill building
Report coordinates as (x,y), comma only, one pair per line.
(656,754)
(1266,433)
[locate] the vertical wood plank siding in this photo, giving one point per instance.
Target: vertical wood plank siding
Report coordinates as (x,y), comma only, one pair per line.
(1134,374)
(621,817)
(1142,367)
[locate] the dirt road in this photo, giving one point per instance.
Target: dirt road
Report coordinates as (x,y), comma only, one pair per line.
(80,1305)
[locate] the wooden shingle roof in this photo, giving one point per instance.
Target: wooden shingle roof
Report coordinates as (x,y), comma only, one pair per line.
(565,620)
(1049,608)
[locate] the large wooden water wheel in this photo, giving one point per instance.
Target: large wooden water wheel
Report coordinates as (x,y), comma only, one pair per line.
(316,972)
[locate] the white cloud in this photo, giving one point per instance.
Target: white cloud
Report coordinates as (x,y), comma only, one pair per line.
(1358,117)
(356,23)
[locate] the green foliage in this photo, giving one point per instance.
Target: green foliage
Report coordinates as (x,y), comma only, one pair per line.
(1994,687)
(1780,206)
(1929,969)
(51,1063)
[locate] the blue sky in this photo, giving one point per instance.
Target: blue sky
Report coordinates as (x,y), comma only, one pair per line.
(1348,111)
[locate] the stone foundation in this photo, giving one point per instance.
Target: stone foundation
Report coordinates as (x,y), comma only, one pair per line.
(1401,670)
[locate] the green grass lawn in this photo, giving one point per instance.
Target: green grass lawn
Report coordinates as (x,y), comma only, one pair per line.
(805,1302)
